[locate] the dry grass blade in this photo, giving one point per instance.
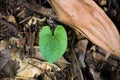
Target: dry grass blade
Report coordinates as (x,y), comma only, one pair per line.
(86,17)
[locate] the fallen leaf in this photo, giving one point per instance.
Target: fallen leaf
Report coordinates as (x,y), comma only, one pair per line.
(8,67)
(89,19)
(4,57)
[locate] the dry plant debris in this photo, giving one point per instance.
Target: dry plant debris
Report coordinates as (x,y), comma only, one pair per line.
(21,21)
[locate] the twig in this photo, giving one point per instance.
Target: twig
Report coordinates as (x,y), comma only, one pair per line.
(75,61)
(42,10)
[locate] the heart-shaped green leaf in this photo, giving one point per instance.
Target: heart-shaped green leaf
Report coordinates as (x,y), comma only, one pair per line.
(52,47)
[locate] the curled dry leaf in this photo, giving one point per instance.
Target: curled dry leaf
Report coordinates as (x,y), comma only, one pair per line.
(90,20)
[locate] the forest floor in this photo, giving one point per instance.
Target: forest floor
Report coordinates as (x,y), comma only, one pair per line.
(20,58)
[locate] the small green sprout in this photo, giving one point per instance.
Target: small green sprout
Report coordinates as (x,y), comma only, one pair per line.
(52,46)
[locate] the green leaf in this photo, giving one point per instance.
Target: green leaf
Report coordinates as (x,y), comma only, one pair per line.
(52,47)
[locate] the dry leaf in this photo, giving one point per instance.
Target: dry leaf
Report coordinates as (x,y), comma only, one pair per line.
(4,57)
(12,19)
(90,20)
(8,67)
(62,63)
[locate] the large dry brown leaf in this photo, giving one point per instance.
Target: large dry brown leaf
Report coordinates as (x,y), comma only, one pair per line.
(86,17)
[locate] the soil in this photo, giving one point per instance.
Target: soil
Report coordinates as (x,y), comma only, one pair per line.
(20,58)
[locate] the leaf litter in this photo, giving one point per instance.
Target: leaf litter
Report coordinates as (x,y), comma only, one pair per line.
(20,58)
